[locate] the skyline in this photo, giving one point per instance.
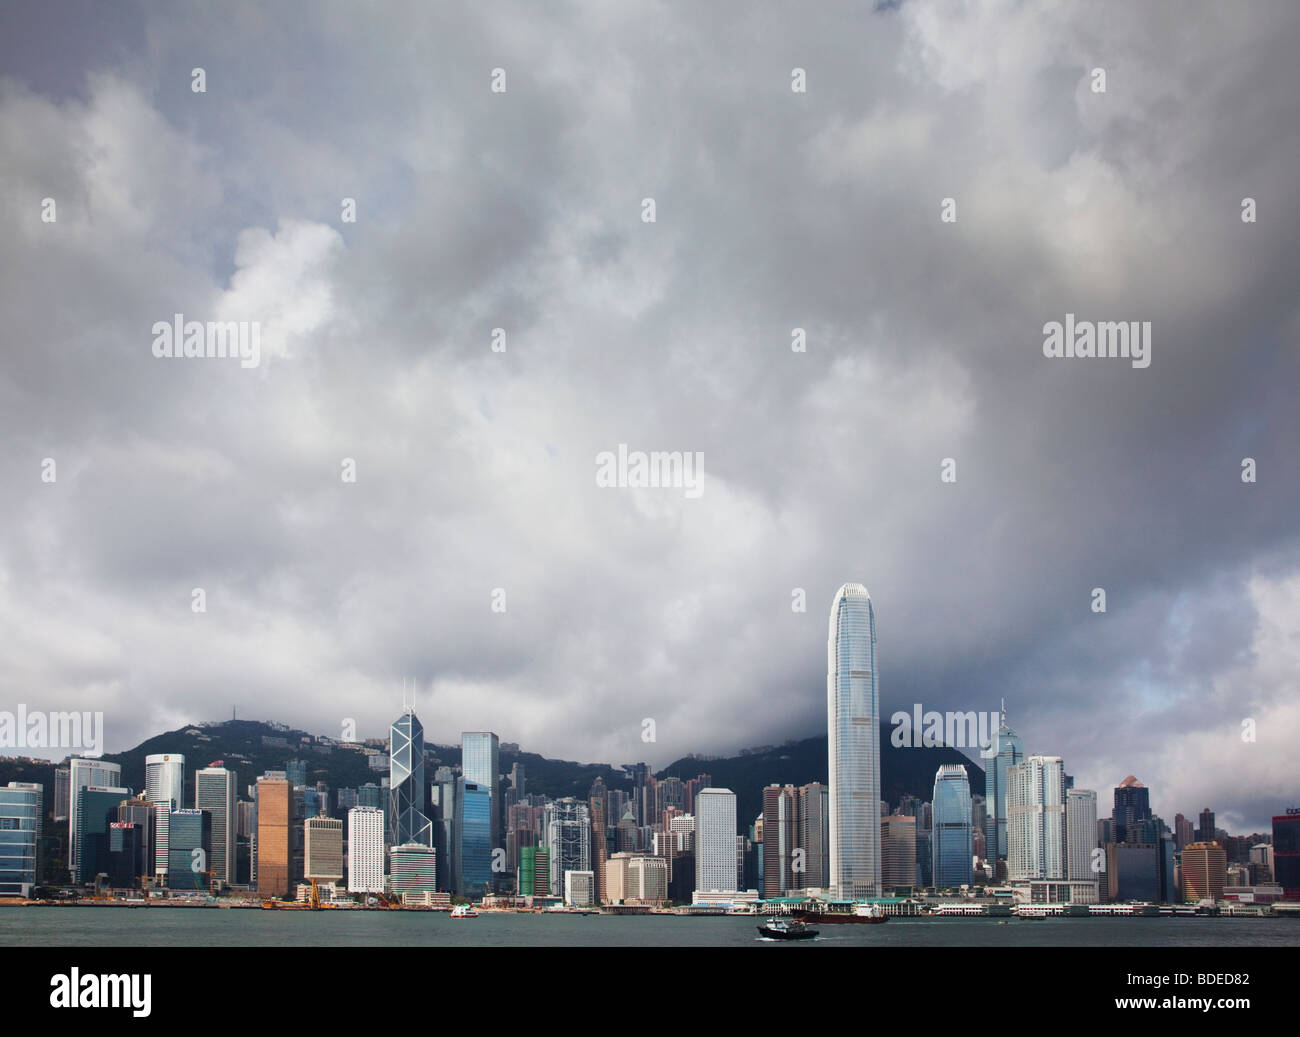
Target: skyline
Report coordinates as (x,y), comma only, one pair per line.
(1224,820)
(395,489)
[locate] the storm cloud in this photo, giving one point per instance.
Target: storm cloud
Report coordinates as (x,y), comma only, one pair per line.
(775,210)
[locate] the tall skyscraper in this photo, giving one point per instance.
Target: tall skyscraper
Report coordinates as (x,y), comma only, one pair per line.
(20,821)
(365,850)
(480,764)
(449,811)
(1007,752)
(96,810)
(950,841)
(815,835)
(568,839)
(780,840)
(1036,819)
(164,787)
(1081,834)
(275,817)
(83,773)
(407,821)
(214,791)
(853,723)
(474,855)
(715,841)
(1184,832)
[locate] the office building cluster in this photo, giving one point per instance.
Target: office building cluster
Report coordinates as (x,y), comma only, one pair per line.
(475,833)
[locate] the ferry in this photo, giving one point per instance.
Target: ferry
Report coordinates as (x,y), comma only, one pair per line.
(464,911)
(786,929)
(861,914)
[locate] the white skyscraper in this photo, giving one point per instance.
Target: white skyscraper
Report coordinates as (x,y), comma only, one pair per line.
(853,729)
(1081,833)
(715,841)
(82,774)
(566,825)
(365,850)
(1036,819)
(214,791)
(164,786)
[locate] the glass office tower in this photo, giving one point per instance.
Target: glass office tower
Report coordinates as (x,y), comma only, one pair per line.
(407,820)
(853,728)
(1009,751)
(96,809)
(189,850)
(19,824)
(83,773)
(950,839)
(480,764)
(475,840)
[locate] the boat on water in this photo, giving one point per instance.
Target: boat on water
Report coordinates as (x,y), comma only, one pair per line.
(464,911)
(786,929)
(861,914)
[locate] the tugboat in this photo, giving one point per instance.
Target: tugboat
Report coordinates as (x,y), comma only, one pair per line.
(786,929)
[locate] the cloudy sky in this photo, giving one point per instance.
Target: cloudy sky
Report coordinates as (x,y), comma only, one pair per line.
(775,209)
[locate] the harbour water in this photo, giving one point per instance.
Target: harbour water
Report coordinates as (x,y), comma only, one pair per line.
(188,927)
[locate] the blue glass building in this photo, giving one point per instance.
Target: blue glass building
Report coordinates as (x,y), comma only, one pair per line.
(189,831)
(475,855)
(480,764)
(19,825)
(951,844)
(1008,752)
(853,728)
